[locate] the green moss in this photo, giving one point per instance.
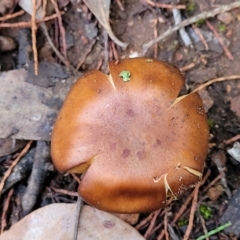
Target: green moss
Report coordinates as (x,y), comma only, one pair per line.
(210,123)
(190,7)
(200,22)
(222,28)
(206,212)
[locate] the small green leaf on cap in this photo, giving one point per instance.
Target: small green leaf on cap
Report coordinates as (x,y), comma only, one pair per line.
(125,75)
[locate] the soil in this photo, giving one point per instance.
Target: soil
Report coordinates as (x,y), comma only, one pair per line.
(136,25)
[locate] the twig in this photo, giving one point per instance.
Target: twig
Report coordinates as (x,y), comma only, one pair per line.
(65,192)
(15,162)
(162,5)
(145,221)
(44,8)
(114,50)
(27,24)
(152,223)
(216,179)
(4,211)
(11,16)
(233,139)
(219,158)
(193,208)
(225,49)
(34,40)
(120,5)
(83,58)
(199,33)
(221,79)
(62,30)
(166,226)
(75,178)
(155,33)
(191,20)
(78,213)
(60,56)
(161,235)
(187,201)
(187,67)
(203,226)
(37,177)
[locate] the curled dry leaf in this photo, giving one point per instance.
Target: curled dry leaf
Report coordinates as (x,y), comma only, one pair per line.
(100,9)
(235,151)
(56,222)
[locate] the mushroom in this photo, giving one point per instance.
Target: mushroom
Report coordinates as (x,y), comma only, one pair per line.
(136,141)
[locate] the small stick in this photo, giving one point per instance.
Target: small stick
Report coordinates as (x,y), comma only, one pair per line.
(162,5)
(166,226)
(161,235)
(78,213)
(155,33)
(145,221)
(65,192)
(225,49)
(62,30)
(221,79)
(203,226)
(114,50)
(86,54)
(75,178)
(120,5)
(188,67)
(187,201)
(44,8)
(34,40)
(27,24)
(216,179)
(11,16)
(4,211)
(199,33)
(233,139)
(152,223)
(193,208)
(60,56)
(191,20)
(15,162)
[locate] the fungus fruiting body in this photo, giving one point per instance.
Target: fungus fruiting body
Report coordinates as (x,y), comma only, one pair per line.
(136,141)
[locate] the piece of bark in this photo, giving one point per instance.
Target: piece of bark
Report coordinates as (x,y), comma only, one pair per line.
(231,214)
(21,170)
(37,178)
(29,111)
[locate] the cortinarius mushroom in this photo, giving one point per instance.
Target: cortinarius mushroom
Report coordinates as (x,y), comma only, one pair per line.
(137,142)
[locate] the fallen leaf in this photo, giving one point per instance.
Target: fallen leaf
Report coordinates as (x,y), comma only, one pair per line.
(56,222)
(28,111)
(100,9)
(26,5)
(235,151)
(9,145)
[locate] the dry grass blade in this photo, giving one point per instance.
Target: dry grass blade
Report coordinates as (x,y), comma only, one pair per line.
(15,162)
(221,79)
(100,9)
(191,20)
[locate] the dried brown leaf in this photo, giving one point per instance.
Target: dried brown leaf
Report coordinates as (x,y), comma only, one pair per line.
(101,8)
(56,222)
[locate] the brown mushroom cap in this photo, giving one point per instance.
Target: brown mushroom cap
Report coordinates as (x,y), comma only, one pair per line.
(136,141)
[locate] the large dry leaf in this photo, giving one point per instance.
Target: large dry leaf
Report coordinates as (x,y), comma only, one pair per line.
(27,110)
(56,222)
(100,8)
